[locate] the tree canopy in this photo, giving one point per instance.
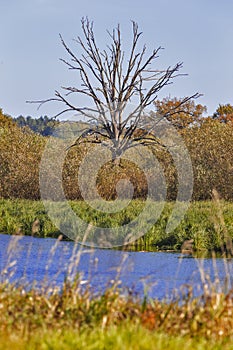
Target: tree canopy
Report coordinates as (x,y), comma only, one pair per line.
(224,113)
(43,125)
(181,115)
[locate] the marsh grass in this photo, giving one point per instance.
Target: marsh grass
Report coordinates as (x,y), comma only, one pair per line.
(75,317)
(17,217)
(209,224)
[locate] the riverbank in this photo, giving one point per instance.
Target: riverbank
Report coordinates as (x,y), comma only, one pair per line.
(207,223)
(74,317)
(71,319)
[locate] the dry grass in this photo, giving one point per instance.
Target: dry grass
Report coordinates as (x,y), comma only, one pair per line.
(73,317)
(25,312)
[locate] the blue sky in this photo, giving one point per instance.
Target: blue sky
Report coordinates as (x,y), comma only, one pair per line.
(198,33)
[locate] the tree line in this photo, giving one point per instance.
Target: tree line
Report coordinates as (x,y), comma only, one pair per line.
(208,140)
(191,115)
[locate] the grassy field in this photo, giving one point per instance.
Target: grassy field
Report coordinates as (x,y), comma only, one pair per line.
(209,224)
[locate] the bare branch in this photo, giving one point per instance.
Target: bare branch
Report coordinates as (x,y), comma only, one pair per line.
(110,83)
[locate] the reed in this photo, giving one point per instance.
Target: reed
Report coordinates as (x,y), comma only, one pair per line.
(75,317)
(208,223)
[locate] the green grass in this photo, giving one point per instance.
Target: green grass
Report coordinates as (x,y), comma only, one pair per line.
(124,337)
(17,216)
(207,223)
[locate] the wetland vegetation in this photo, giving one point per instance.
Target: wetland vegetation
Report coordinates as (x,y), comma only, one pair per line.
(208,223)
(73,317)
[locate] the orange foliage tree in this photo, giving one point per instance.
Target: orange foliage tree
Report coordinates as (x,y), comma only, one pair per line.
(180,114)
(224,113)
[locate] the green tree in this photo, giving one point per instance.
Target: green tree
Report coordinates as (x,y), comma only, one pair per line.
(42,125)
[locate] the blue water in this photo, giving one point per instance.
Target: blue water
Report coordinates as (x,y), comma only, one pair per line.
(27,260)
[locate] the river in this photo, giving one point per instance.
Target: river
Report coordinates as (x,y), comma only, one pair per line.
(44,261)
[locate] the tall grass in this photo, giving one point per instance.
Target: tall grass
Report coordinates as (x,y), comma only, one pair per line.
(74,317)
(18,215)
(208,223)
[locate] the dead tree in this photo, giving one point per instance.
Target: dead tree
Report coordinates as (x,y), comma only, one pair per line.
(111,81)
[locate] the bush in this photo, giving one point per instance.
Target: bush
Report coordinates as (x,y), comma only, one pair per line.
(209,145)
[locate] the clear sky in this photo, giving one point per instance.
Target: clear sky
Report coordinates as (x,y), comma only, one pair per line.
(198,33)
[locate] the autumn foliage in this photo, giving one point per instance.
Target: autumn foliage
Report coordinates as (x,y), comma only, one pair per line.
(20,153)
(209,141)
